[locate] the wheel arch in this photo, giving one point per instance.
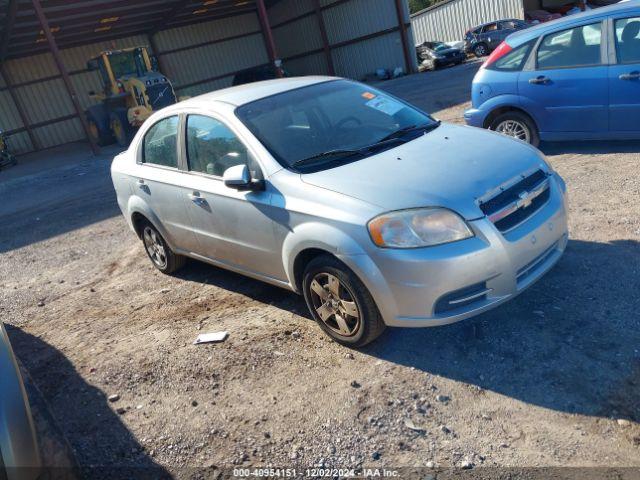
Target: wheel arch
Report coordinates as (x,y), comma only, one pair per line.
(138,212)
(496,112)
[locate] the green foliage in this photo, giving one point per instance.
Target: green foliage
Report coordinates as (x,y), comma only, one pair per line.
(417,5)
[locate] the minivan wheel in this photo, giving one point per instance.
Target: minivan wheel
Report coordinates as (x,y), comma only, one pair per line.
(161,256)
(516,125)
(340,303)
(480,50)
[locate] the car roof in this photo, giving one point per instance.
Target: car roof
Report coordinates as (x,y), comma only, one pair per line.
(497,21)
(243,94)
(523,36)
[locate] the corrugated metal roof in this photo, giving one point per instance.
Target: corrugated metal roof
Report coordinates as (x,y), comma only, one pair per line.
(78,22)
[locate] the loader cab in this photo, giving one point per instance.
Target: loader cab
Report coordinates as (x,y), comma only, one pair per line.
(118,66)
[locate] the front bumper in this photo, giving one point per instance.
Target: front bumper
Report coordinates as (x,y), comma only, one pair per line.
(445,284)
(475,117)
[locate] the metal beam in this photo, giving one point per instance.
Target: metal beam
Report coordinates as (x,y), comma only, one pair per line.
(403,36)
(325,38)
(8,26)
(270,43)
(63,71)
(21,113)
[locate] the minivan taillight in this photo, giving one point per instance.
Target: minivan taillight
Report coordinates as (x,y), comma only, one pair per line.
(503,49)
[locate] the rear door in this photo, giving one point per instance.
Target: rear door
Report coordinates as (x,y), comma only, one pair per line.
(567,87)
(156,179)
(624,76)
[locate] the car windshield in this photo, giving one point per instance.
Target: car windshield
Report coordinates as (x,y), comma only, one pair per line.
(326,124)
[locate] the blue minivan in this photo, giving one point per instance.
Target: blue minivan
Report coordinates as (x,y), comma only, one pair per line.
(576,78)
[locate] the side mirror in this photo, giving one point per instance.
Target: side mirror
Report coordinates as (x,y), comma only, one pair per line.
(239,178)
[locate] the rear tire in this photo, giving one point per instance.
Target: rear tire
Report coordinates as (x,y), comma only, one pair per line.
(160,254)
(517,125)
(340,303)
(481,50)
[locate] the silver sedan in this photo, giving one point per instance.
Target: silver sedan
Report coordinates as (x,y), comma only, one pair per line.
(377,213)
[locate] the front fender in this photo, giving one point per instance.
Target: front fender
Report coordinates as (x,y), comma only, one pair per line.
(348,250)
(315,235)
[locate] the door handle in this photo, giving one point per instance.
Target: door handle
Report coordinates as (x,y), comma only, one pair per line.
(539,80)
(630,76)
(141,184)
(197,199)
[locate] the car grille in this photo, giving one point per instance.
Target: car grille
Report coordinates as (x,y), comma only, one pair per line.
(462,298)
(515,204)
(160,95)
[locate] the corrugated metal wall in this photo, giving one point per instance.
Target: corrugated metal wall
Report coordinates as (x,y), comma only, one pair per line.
(451,20)
(211,55)
(204,57)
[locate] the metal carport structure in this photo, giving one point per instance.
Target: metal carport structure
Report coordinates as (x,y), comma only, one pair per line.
(200,45)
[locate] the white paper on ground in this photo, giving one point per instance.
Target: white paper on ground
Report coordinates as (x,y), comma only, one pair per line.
(214,337)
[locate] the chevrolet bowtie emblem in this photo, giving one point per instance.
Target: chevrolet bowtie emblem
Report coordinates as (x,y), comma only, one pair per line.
(524,200)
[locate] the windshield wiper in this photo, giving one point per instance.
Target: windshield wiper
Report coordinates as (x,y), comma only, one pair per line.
(366,150)
(411,128)
(330,153)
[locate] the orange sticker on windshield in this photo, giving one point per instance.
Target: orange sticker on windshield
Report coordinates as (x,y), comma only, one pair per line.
(368,95)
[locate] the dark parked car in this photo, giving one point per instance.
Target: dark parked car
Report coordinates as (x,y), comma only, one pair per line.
(256,74)
(432,55)
(483,40)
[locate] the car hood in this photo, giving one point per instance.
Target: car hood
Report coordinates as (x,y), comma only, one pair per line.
(447,51)
(450,167)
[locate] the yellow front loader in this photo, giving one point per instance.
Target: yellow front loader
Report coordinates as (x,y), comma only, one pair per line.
(132,90)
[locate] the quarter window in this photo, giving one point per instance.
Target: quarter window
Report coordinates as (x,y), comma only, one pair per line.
(212,147)
(628,40)
(515,60)
(160,143)
(577,47)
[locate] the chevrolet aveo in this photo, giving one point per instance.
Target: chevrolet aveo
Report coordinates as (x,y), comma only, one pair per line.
(377,213)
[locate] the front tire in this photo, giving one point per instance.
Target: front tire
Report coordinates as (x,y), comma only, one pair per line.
(517,125)
(122,130)
(340,303)
(481,50)
(160,254)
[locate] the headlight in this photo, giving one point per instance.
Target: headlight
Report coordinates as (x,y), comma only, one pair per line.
(416,228)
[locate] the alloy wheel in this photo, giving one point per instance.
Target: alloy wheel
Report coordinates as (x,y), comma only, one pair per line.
(335,305)
(515,129)
(155,247)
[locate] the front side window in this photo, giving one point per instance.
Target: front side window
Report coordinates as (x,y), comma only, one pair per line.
(330,120)
(628,40)
(212,147)
(577,47)
(160,143)
(514,60)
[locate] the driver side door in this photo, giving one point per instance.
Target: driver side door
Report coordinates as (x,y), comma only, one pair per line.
(233,228)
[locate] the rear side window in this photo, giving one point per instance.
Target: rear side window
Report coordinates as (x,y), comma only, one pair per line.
(160,143)
(514,61)
(576,47)
(628,40)
(212,147)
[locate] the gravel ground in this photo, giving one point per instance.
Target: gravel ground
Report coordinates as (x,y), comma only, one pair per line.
(550,379)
